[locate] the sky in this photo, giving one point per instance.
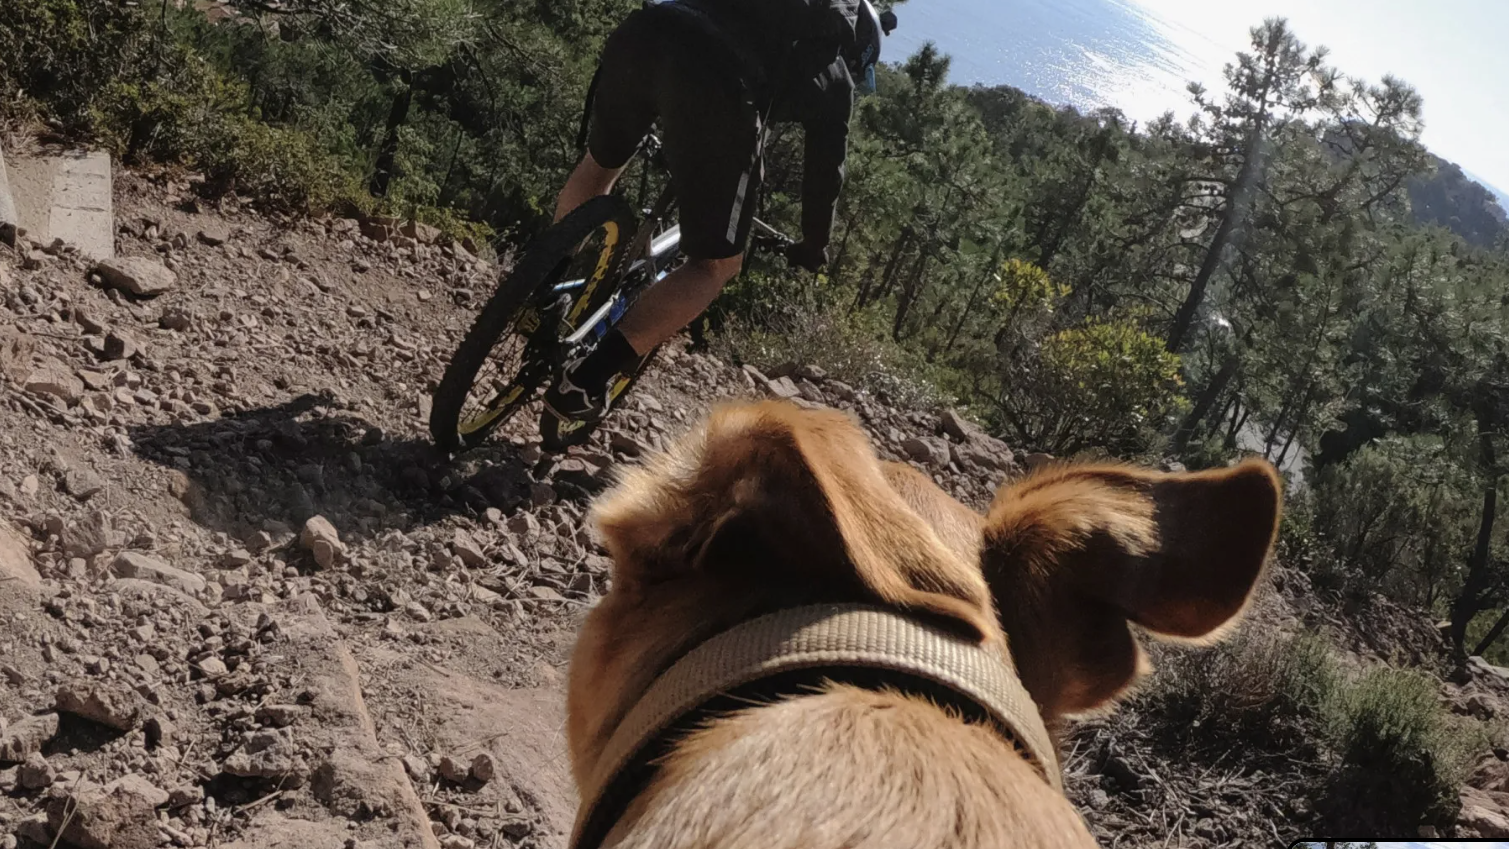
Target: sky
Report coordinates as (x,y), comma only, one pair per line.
(1137,55)
(1454,52)
(1476,844)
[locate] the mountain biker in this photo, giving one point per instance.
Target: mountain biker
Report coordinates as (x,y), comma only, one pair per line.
(715,73)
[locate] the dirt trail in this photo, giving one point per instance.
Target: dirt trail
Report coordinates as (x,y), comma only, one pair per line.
(190,661)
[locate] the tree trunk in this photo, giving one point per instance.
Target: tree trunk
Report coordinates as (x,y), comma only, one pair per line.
(1236,427)
(1299,423)
(1066,224)
(1469,600)
(450,170)
(862,299)
(909,294)
(1235,210)
(1228,412)
(1207,399)
(1278,424)
(969,305)
(387,155)
(1283,453)
(843,251)
(1493,634)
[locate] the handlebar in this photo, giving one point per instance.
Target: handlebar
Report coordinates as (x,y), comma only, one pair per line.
(767,238)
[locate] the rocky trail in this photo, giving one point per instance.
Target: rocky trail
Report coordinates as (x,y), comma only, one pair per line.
(243,603)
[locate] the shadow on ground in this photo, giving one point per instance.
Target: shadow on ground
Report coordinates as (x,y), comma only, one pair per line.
(273,468)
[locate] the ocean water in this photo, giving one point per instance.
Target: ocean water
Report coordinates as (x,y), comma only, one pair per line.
(1082,53)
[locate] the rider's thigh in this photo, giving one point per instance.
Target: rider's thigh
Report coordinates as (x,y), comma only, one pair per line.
(710,141)
(624,107)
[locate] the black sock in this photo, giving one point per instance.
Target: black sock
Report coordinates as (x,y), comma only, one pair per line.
(613,355)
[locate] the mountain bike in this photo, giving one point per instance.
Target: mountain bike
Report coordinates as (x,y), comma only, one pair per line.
(575,281)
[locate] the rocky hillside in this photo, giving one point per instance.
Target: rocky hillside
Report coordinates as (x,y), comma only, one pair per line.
(244,604)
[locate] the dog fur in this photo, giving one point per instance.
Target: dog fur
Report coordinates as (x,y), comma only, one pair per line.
(769,505)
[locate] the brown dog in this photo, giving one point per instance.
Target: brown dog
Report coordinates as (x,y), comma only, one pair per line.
(770,506)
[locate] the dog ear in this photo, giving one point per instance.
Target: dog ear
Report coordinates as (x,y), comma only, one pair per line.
(1075,553)
(793,504)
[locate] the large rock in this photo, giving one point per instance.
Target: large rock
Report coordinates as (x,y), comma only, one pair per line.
(784,388)
(109,704)
(87,536)
(1480,706)
(9,220)
(424,234)
(1037,460)
(1485,814)
(352,776)
(138,276)
(958,427)
(984,452)
(975,447)
(15,560)
(20,585)
(214,233)
(466,548)
(120,815)
(134,564)
(152,593)
(1484,671)
(27,737)
(323,541)
(272,754)
(928,450)
(55,380)
(36,773)
(1491,774)
(273,829)
(16,350)
(520,730)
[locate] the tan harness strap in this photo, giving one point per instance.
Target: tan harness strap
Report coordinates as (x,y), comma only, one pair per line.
(830,635)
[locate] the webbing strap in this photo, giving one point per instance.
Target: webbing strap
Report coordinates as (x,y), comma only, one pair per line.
(804,638)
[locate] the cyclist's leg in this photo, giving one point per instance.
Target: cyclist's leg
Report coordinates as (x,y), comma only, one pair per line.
(587,181)
(711,146)
(623,110)
(673,303)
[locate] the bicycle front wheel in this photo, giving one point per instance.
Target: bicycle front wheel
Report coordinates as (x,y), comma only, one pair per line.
(567,272)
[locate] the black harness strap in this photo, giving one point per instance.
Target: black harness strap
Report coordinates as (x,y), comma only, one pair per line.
(641,771)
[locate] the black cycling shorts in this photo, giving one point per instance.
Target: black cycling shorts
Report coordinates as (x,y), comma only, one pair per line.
(710,134)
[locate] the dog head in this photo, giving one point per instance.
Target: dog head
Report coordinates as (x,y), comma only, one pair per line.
(769,506)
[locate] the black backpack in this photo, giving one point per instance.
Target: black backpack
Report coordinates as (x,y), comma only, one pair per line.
(754,38)
(762,33)
(786,22)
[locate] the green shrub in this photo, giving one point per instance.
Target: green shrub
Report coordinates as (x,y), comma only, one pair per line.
(1253,688)
(283,167)
(852,347)
(1106,383)
(1397,517)
(1399,749)
(57,55)
(1397,758)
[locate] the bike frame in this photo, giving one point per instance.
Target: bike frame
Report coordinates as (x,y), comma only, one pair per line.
(653,256)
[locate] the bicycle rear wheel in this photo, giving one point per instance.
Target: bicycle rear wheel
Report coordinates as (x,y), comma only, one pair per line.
(513,347)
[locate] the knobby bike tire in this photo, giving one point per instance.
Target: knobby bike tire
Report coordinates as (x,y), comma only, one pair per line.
(534,275)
